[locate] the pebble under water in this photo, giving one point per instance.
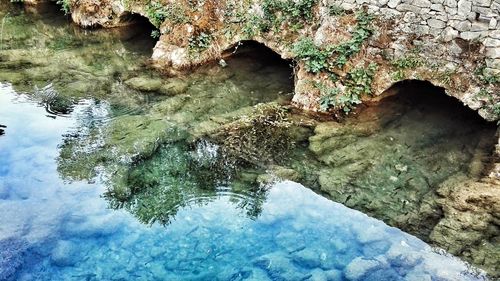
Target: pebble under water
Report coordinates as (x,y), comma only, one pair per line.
(54,230)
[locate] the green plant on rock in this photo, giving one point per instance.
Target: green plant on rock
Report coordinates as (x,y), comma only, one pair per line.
(357,84)
(200,41)
(487,78)
(362,31)
(155,33)
(325,59)
(315,58)
(157,13)
(446,76)
(328,97)
(65,6)
(492,101)
(401,64)
(336,10)
(254,25)
(290,11)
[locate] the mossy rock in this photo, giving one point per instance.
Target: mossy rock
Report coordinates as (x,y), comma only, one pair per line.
(145,84)
(174,86)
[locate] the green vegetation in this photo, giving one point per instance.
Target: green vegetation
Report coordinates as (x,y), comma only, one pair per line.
(328,96)
(155,33)
(485,77)
(65,5)
(290,11)
(330,59)
(176,177)
(200,42)
(315,58)
(446,76)
(493,102)
(320,59)
(335,10)
(276,13)
(157,13)
(401,64)
(358,83)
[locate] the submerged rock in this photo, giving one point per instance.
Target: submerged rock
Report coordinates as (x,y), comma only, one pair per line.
(174,86)
(470,224)
(360,268)
(146,84)
(64,253)
(279,267)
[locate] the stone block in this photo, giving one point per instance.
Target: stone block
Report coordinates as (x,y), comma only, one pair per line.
(347,6)
(393,3)
(425,11)
(410,17)
(479,26)
(442,17)
(464,7)
(455,49)
(485,12)
(491,71)
(493,63)
(409,8)
(436,32)
(450,11)
(434,23)
(471,35)
(437,7)
(484,3)
(461,25)
(422,3)
(495,34)
(450,3)
(490,42)
(421,29)
(493,23)
(389,13)
(449,34)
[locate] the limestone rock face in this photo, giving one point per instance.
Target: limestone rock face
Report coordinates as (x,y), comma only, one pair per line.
(470,225)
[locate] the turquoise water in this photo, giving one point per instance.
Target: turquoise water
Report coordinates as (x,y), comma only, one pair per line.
(56,230)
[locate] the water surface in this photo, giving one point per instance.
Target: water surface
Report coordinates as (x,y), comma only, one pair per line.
(54,230)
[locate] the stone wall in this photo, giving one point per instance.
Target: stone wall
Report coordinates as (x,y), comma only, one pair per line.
(443,20)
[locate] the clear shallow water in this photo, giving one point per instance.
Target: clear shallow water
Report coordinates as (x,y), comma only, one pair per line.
(56,230)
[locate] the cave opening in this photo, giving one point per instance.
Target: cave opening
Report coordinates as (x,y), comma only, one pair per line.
(442,118)
(260,64)
(142,35)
